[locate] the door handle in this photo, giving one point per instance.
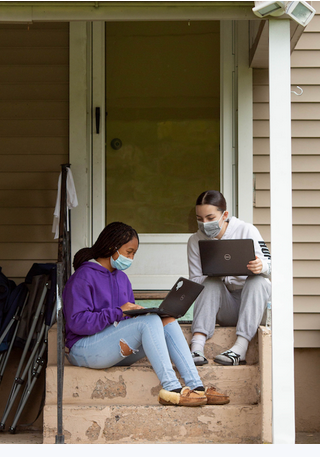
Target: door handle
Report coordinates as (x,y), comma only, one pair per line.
(97,120)
(116,144)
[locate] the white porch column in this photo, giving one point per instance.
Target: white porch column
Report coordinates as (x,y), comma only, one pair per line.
(281,233)
(245,127)
(227,146)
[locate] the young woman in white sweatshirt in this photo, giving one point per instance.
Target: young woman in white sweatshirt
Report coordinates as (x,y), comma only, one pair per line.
(228,301)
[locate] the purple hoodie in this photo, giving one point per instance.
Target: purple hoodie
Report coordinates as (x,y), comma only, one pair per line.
(92,300)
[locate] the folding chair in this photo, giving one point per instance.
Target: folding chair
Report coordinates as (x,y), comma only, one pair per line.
(10,323)
(36,320)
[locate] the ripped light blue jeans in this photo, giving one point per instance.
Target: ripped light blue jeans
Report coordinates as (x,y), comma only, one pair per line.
(132,339)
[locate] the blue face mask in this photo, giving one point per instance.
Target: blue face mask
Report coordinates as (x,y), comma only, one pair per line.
(121,263)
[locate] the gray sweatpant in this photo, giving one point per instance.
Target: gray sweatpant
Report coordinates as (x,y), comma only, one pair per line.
(243,308)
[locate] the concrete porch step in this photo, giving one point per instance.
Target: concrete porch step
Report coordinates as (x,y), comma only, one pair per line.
(223,339)
(140,386)
(120,424)
(119,404)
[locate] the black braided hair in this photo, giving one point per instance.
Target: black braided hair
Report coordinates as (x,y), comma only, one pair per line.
(112,237)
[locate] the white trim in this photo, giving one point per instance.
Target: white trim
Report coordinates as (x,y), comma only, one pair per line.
(79,134)
(245,125)
(226,112)
(98,140)
(164,238)
(125,11)
(159,282)
(283,399)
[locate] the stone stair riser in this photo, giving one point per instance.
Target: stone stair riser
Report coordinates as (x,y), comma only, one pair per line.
(223,339)
(140,385)
(156,424)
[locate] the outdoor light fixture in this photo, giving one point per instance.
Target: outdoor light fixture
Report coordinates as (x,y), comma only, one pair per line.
(263,9)
(300,11)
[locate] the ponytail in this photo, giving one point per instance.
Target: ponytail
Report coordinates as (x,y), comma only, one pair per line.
(81,256)
(112,237)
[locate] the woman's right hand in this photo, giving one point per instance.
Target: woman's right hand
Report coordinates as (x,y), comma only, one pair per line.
(127,306)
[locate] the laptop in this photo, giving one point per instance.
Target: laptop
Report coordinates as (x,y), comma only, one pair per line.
(226,257)
(176,303)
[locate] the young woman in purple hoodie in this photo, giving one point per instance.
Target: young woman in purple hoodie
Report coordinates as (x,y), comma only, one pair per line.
(100,336)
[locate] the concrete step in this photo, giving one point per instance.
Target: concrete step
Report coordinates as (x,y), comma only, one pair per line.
(119,404)
(223,339)
(120,424)
(140,385)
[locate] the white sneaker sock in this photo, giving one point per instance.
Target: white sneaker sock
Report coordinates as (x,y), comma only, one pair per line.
(197,343)
(240,347)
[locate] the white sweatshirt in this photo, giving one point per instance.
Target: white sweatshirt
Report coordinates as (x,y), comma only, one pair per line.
(236,229)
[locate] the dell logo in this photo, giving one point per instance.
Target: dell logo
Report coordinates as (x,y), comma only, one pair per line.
(227,256)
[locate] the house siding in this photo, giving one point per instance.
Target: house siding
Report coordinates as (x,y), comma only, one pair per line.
(34,140)
(34,118)
(305,73)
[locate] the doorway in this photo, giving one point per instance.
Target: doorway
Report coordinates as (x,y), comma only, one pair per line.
(162,255)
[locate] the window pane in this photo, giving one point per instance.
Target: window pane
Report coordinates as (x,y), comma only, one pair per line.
(163,106)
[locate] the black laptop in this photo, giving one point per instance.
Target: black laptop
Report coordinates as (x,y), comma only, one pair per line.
(176,303)
(226,257)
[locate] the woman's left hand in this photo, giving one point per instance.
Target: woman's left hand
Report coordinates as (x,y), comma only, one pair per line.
(255,266)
